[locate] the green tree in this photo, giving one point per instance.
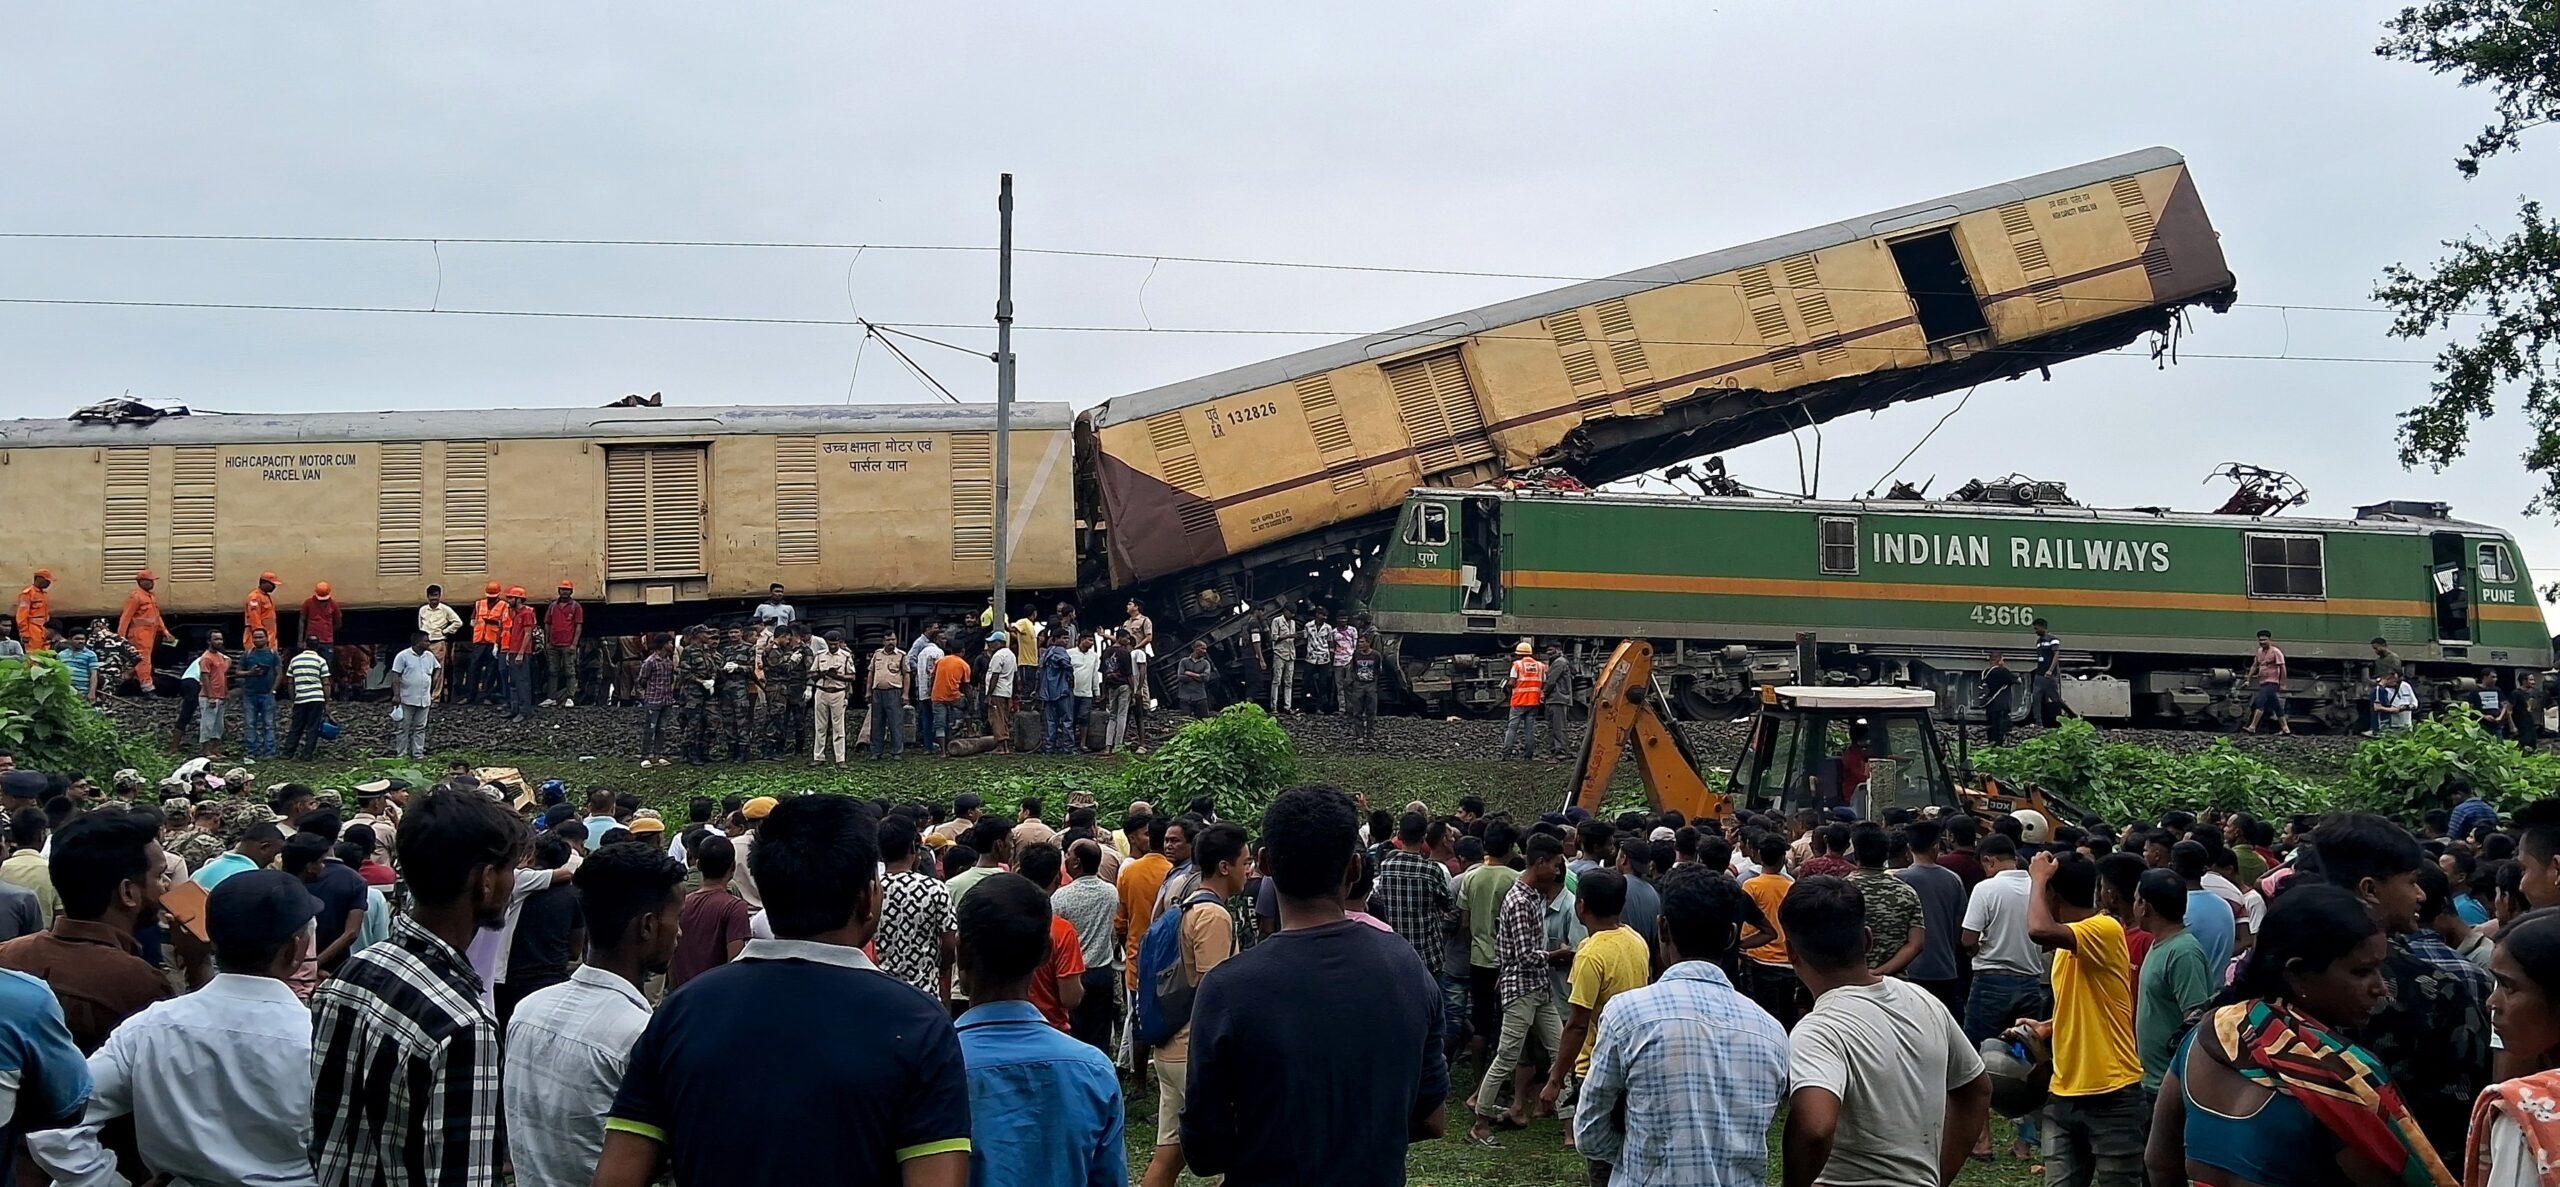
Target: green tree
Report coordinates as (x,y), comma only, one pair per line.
(2511,48)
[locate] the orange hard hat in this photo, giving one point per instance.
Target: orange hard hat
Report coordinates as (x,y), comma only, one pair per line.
(269,578)
(568,585)
(144,575)
(515,591)
(493,587)
(321,589)
(44,574)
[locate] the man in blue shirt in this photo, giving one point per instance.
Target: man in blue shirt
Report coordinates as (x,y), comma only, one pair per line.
(2470,812)
(255,672)
(1047,1109)
(50,1081)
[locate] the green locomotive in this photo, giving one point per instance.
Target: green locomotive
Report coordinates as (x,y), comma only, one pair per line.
(2158,610)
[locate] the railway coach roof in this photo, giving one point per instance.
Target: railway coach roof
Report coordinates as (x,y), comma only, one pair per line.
(1140,405)
(202,428)
(2380,522)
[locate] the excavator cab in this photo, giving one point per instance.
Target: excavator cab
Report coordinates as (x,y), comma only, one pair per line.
(1870,749)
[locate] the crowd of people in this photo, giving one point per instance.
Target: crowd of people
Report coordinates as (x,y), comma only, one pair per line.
(211,982)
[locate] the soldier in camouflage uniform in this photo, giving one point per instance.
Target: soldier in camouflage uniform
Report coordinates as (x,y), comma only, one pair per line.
(116,657)
(195,844)
(786,687)
(737,678)
(697,667)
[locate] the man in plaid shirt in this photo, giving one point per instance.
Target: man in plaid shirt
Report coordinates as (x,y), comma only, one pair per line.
(1413,894)
(405,1059)
(1686,1073)
(1521,964)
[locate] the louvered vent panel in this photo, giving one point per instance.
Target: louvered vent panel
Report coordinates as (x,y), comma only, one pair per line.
(1801,273)
(2020,225)
(2138,219)
(1332,434)
(2156,263)
(1581,363)
(675,511)
(191,512)
(125,538)
(1616,320)
(466,509)
(1458,405)
(973,496)
(795,501)
(1769,316)
(1813,308)
(1419,408)
(399,513)
(1170,435)
(1756,285)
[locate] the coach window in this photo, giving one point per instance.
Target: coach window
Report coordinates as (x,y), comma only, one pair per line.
(2496,567)
(1429,526)
(1839,545)
(2286,567)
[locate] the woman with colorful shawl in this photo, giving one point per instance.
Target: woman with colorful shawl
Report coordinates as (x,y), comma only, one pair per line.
(2515,1129)
(2266,1090)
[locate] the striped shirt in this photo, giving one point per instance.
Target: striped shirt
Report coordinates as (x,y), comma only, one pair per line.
(406,1064)
(310,673)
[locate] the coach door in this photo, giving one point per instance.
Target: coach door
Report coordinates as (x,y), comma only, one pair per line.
(2447,570)
(1480,561)
(654,499)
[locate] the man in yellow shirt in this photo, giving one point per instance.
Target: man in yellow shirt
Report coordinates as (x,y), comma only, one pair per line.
(1613,961)
(2097,1122)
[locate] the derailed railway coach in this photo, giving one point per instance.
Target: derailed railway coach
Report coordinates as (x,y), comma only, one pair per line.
(2157,611)
(1262,483)
(870,516)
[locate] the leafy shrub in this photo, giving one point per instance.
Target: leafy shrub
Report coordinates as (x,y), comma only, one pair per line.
(49,728)
(2406,771)
(1240,758)
(2125,781)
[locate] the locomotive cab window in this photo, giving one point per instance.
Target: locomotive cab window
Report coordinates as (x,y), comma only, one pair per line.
(1839,545)
(2496,566)
(1429,526)
(2286,567)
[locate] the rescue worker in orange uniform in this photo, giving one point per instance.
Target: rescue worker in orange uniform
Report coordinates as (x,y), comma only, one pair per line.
(1528,694)
(140,625)
(516,640)
(483,677)
(35,610)
(260,612)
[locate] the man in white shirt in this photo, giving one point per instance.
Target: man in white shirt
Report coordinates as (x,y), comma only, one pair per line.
(1086,665)
(1001,666)
(568,1045)
(1284,659)
(2008,968)
(218,1082)
(2395,704)
(1881,1076)
(414,676)
(773,611)
(440,623)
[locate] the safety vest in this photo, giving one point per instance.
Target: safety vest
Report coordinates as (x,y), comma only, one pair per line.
(488,620)
(1528,683)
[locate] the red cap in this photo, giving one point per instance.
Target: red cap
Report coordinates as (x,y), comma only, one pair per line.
(144,575)
(515,591)
(568,585)
(493,587)
(269,578)
(320,589)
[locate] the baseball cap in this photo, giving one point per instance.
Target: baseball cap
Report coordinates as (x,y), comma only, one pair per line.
(23,785)
(759,807)
(258,907)
(269,577)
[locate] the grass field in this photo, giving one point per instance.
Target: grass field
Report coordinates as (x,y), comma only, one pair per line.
(1537,1157)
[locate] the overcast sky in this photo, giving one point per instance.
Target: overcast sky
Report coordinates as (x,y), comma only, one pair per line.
(1510,137)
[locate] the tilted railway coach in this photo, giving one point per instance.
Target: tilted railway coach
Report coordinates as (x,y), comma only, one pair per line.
(2158,611)
(653,511)
(1230,488)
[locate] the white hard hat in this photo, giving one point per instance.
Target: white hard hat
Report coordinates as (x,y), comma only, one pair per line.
(2034,829)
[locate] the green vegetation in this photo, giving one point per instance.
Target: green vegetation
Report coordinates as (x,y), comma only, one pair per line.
(2400,774)
(2511,283)
(47,726)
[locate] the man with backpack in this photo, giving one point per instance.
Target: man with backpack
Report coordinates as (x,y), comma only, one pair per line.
(1181,944)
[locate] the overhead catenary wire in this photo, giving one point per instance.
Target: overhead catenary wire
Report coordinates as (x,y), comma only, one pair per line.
(756,320)
(1153,259)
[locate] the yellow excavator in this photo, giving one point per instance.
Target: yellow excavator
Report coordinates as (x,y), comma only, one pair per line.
(1871,749)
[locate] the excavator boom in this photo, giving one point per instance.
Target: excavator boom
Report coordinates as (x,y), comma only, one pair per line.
(1626,714)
